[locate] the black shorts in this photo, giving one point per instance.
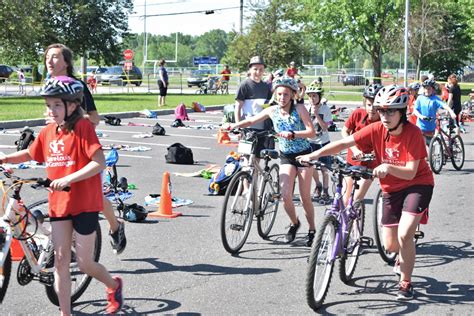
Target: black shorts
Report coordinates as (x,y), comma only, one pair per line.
(163,89)
(413,200)
(83,224)
(290,159)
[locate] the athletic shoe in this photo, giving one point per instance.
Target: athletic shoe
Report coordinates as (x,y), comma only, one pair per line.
(405,291)
(115,298)
(291,235)
(118,239)
(396,268)
(310,238)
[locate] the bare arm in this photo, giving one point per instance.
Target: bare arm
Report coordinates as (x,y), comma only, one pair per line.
(238,107)
(346,132)
(450,111)
(92,168)
(16,157)
(407,172)
(450,99)
(251,120)
(330,149)
(94,117)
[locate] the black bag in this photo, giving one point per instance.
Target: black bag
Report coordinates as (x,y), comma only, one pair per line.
(134,213)
(179,154)
(112,120)
(178,123)
(158,130)
(26,138)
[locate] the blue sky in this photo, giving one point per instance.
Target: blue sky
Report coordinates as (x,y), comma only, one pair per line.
(191,24)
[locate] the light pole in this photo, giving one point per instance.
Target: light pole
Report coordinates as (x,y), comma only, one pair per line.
(405,75)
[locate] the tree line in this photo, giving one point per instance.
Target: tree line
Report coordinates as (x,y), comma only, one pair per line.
(441,34)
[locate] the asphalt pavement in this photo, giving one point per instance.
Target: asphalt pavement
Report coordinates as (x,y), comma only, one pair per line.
(179,267)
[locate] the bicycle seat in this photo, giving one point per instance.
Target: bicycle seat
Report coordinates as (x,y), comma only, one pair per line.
(271,153)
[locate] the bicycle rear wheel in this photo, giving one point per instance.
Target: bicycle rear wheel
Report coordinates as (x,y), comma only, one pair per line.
(5,275)
(321,264)
(237,213)
(268,201)
(388,257)
(457,154)
(352,244)
(436,154)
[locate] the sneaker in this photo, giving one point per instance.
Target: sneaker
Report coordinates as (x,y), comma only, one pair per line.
(396,268)
(405,291)
(118,239)
(310,238)
(115,298)
(290,236)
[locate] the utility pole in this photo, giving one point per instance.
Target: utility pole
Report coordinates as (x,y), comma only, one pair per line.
(145,44)
(407,9)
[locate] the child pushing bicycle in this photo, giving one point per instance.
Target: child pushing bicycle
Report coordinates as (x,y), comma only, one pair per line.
(405,178)
(74,158)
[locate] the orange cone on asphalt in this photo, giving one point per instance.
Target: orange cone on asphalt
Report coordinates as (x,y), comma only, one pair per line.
(16,251)
(165,208)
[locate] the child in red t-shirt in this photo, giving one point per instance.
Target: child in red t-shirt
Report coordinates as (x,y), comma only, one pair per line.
(406,180)
(74,158)
(359,119)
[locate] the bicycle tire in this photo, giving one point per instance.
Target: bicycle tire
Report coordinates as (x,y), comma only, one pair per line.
(388,257)
(7,271)
(352,245)
(457,152)
(269,201)
(320,265)
(78,288)
(436,155)
(236,220)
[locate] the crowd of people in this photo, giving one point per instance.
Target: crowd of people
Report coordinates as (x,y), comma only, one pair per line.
(394,125)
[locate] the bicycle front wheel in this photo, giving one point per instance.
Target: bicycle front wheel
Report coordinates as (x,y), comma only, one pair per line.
(388,257)
(80,281)
(321,264)
(436,154)
(268,201)
(5,275)
(352,244)
(457,152)
(237,212)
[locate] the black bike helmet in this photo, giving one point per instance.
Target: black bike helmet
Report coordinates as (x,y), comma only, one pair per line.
(430,83)
(371,90)
(134,213)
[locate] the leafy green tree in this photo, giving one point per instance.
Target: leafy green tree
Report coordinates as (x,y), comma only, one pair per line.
(369,24)
(212,43)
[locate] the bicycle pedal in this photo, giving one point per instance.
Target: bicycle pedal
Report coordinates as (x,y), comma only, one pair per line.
(46,278)
(236,227)
(366,241)
(419,234)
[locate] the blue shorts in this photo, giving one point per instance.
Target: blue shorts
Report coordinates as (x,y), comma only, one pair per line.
(83,223)
(327,160)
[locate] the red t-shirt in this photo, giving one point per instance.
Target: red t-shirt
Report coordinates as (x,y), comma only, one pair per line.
(225,72)
(358,120)
(411,104)
(65,153)
(292,72)
(397,151)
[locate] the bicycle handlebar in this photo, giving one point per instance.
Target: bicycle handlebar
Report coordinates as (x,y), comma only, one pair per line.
(38,182)
(353,171)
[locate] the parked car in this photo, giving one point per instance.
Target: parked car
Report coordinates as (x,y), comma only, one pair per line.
(353,80)
(5,72)
(198,77)
(117,75)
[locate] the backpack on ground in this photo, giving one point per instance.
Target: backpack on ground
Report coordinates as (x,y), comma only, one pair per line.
(177,123)
(198,107)
(229,116)
(26,138)
(179,154)
(158,129)
(112,120)
(134,213)
(220,181)
(181,113)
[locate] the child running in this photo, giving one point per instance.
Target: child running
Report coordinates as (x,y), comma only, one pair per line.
(74,158)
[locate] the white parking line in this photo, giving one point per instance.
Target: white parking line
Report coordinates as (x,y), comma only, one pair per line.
(136,132)
(147,144)
(134,156)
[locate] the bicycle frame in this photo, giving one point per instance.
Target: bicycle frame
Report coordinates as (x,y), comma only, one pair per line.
(443,136)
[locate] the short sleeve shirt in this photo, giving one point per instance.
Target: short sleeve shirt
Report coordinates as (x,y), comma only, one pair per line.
(357,121)
(397,151)
(254,95)
(456,91)
(427,106)
(322,137)
(65,153)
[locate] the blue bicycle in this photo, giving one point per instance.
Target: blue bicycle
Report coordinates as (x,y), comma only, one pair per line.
(339,236)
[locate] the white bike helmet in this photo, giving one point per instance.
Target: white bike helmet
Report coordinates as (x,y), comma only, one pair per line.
(391,97)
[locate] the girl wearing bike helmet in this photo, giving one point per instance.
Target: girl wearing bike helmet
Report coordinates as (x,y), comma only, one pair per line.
(426,107)
(320,115)
(359,119)
(413,95)
(73,156)
(293,125)
(405,178)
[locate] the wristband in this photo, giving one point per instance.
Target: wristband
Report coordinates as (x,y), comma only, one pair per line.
(293,136)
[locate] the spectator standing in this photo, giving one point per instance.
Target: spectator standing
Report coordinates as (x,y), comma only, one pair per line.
(292,71)
(21,81)
(454,98)
(226,72)
(162,83)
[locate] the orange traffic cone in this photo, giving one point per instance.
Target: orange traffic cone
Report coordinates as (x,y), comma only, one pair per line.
(16,251)
(223,137)
(165,208)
